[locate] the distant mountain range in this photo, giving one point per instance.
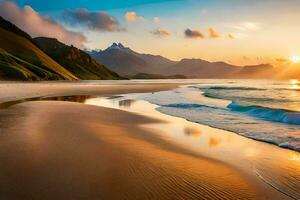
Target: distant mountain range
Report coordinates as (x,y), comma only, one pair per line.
(127,62)
(25,58)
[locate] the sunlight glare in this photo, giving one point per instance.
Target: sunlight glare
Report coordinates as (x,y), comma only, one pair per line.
(295,59)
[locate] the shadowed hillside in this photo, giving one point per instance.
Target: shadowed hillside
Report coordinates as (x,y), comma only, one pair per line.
(76,61)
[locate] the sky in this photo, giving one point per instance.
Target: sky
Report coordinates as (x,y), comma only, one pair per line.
(240,32)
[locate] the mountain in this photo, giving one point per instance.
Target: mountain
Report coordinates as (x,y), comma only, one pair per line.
(75,60)
(125,61)
(21,59)
(197,68)
(257,71)
(137,65)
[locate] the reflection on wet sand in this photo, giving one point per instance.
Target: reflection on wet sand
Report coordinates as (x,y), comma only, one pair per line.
(114,97)
(77,98)
(11,103)
(127,103)
(192,131)
(213,142)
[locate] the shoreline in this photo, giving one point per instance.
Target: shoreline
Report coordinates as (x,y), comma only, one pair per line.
(252,138)
(16,91)
(138,132)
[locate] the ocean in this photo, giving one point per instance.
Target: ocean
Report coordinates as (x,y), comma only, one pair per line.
(263,110)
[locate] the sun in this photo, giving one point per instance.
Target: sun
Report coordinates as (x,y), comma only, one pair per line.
(295,59)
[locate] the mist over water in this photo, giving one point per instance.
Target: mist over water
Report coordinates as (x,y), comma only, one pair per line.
(263,110)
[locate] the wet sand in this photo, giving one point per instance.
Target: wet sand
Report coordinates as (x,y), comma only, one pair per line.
(65,150)
(268,166)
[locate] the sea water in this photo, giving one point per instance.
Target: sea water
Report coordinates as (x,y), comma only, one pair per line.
(263,110)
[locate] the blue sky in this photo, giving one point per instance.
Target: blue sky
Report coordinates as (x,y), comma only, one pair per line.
(89,4)
(236,31)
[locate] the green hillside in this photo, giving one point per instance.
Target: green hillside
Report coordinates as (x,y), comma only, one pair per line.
(13,68)
(22,60)
(75,60)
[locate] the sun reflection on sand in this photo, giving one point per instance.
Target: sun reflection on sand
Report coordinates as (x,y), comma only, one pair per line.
(294,156)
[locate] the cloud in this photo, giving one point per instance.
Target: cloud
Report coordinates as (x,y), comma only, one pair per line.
(247,26)
(212,33)
(133,16)
(37,25)
(161,32)
(99,21)
(156,19)
(193,33)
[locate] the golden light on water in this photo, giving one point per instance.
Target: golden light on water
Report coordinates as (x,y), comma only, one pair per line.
(294,84)
(294,81)
(295,59)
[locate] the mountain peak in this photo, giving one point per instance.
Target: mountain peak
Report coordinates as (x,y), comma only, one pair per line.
(116,46)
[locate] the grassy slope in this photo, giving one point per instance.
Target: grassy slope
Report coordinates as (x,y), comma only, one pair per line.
(75,60)
(22,50)
(13,68)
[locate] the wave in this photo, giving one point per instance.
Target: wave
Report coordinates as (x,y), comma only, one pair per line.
(191,106)
(243,98)
(269,114)
(265,113)
(233,88)
(225,88)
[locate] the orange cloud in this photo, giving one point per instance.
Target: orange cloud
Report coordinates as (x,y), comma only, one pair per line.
(193,33)
(37,25)
(212,33)
(133,16)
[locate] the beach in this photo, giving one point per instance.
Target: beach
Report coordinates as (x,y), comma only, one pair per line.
(54,149)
